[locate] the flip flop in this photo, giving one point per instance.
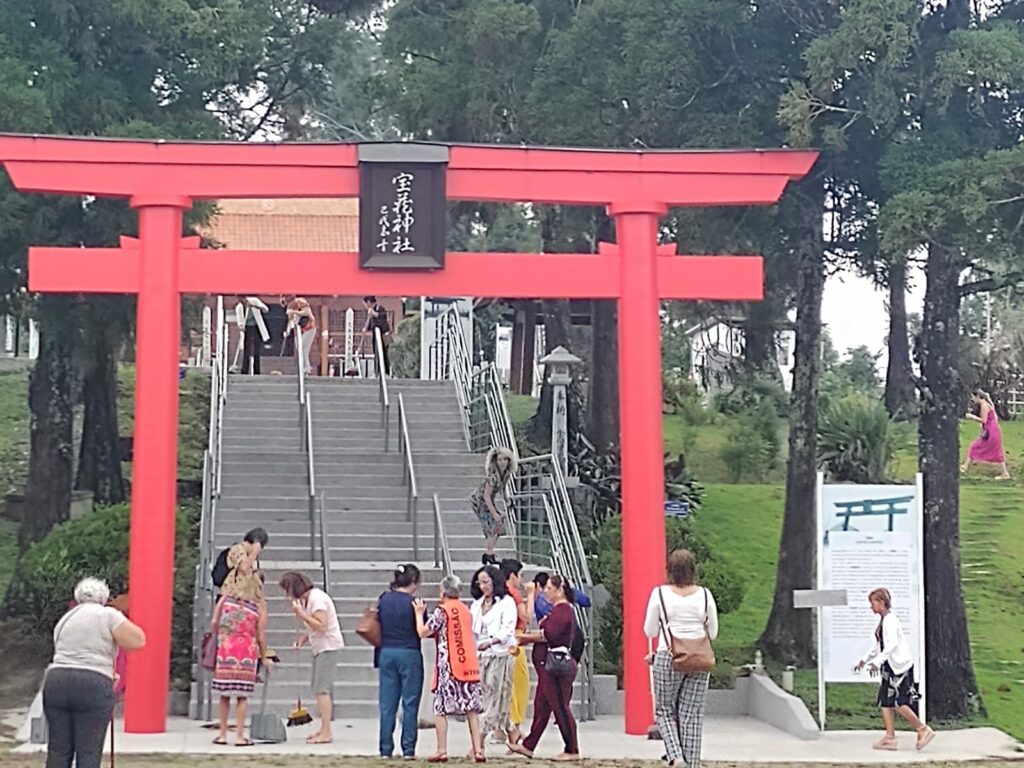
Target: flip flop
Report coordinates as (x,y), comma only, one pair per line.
(220,742)
(246,743)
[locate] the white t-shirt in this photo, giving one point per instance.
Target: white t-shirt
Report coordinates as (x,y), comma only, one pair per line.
(84,639)
(498,624)
(685,614)
(330,639)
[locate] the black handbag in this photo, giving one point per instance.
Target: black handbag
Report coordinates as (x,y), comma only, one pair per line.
(559,662)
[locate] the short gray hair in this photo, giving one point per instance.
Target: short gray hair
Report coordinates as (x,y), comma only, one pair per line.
(450,586)
(92,590)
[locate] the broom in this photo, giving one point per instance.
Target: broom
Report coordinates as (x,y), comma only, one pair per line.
(300,715)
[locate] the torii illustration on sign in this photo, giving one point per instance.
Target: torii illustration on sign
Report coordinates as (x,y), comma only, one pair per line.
(162,179)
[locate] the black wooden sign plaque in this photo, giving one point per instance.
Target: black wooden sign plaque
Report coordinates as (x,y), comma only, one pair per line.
(403,217)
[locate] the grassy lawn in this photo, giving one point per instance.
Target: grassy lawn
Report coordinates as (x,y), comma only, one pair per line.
(743,524)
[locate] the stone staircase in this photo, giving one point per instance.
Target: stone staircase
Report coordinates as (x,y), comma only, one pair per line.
(264,483)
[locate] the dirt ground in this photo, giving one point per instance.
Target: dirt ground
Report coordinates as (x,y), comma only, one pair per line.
(132,761)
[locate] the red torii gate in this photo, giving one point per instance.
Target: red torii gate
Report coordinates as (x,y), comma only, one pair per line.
(161,180)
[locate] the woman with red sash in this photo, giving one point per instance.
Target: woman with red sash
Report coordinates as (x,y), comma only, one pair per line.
(456,672)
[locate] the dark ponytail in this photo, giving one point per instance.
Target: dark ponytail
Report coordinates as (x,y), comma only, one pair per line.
(406,574)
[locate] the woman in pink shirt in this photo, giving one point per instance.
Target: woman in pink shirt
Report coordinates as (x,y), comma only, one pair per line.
(315,609)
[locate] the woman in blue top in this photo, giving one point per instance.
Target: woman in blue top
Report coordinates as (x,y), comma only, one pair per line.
(399,661)
(542,606)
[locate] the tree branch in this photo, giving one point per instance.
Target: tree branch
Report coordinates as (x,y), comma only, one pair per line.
(991,284)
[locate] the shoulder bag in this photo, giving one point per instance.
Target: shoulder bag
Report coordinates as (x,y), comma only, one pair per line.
(368,627)
(688,654)
(559,661)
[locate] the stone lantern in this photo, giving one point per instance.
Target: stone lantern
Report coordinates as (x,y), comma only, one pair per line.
(558,366)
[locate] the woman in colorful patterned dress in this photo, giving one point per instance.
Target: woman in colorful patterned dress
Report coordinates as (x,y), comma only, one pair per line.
(238,622)
(456,685)
(988,448)
(499,467)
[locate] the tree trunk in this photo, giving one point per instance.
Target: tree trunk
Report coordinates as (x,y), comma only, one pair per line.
(759,352)
(900,393)
(48,493)
(603,396)
(788,636)
(99,460)
(557,333)
(952,688)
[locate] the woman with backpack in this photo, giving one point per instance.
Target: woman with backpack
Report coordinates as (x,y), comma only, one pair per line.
(683,616)
(237,621)
(556,671)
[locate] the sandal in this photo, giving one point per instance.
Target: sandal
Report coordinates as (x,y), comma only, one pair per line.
(440,757)
(246,743)
(479,757)
(220,741)
(887,743)
(519,749)
(924,737)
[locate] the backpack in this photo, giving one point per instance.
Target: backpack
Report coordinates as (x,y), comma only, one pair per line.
(579,642)
(220,568)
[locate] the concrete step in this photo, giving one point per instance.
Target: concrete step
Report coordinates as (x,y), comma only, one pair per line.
(455,525)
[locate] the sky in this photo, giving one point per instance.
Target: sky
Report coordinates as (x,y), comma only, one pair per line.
(855,313)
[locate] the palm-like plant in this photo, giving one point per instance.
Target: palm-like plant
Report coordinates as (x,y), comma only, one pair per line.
(857,440)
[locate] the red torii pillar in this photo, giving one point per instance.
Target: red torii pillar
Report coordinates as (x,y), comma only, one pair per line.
(162,179)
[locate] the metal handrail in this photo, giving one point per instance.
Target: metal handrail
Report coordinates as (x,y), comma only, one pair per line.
(297,333)
(383,396)
(442,552)
(325,544)
(307,415)
(203,591)
(409,476)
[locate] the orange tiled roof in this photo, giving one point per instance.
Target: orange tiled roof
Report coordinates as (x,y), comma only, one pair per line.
(309,224)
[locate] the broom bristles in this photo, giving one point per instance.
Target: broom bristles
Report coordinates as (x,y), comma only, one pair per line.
(299,716)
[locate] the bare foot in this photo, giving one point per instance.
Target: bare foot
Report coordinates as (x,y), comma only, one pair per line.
(319,738)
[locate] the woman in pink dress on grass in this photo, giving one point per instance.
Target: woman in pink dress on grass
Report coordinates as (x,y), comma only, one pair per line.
(988,448)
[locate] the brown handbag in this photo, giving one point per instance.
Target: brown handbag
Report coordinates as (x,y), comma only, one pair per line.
(688,655)
(368,627)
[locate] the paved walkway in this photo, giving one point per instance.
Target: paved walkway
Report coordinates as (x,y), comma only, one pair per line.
(725,739)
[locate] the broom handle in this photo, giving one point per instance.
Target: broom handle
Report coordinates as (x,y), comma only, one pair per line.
(111,738)
(266,683)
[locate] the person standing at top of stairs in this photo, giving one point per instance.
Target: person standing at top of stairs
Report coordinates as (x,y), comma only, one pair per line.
(499,467)
(249,317)
(377,318)
(301,314)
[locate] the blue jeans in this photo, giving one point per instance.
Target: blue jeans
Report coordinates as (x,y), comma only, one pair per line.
(401,678)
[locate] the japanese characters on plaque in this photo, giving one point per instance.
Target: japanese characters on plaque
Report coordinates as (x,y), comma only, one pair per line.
(403,217)
(394,227)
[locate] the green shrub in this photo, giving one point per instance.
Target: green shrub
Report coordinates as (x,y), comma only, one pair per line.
(746,454)
(751,393)
(97,545)
(681,396)
(857,440)
(606,558)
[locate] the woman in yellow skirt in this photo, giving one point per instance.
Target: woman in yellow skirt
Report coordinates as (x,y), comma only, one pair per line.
(512,570)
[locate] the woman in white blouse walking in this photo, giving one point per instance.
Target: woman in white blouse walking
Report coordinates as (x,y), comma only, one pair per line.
(890,657)
(683,610)
(494,627)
